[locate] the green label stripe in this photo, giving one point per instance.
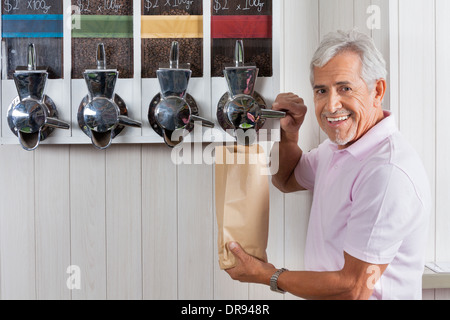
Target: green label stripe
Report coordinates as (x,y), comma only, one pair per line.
(84,26)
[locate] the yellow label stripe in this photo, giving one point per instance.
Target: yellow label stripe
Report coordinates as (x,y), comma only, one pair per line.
(171,27)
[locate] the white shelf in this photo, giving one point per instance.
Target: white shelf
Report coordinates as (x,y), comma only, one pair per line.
(433,280)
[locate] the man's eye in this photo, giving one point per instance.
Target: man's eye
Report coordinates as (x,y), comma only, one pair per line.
(320,91)
(346,89)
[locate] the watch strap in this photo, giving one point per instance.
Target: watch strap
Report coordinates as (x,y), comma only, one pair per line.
(274,281)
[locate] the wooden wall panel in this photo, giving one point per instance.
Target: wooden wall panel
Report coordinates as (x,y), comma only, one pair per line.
(442,132)
(195,231)
(442,136)
(159,223)
(301,24)
(17,221)
(88,220)
(417,98)
(52,222)
(123,222)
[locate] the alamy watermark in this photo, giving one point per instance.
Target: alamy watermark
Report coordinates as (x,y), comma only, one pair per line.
(200,147)
(374,20)
(73,282)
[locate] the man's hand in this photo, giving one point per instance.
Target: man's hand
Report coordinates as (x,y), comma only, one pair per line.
(295,109)
(248,268)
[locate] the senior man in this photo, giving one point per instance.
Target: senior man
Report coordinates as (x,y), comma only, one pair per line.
(369,218)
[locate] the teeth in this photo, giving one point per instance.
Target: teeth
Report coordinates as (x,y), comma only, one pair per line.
(338,119)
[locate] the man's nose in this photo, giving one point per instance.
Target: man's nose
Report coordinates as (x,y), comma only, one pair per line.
(333,103)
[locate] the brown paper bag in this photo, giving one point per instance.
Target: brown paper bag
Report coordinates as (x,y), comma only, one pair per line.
(242,201)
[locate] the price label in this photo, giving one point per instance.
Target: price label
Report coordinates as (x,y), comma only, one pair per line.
(161,6)
(102,7)
(31,6)
(231,7)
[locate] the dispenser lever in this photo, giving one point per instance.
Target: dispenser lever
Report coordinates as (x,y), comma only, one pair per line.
(272,114)
(174,55)
(239,54)
(31,57)
(101,57)
(205,123)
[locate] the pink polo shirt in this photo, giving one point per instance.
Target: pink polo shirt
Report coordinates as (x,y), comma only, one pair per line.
(372,200)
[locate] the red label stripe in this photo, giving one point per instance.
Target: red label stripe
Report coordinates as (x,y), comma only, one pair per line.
(226,27)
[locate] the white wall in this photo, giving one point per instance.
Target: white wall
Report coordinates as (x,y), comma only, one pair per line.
(140,227)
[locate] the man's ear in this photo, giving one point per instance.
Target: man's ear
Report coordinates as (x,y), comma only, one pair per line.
(379,91)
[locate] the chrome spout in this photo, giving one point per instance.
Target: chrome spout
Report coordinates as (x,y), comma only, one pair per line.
(29,141)
(102,140)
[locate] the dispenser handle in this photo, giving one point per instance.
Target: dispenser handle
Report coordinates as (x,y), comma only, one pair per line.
(57,124)
(272,114)
(174,55)
(31,57)
(128,122)
(205,123)
(101,57)
(239,54)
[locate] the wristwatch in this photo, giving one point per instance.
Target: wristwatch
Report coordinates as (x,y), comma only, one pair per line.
(274,281)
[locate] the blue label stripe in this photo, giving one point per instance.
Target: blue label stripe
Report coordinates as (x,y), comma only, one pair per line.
(32,17)
(32,26)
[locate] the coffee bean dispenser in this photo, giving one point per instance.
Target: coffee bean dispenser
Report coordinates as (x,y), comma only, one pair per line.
(173,112)
(243,110)
(40,23)
(32,116)
(103,114)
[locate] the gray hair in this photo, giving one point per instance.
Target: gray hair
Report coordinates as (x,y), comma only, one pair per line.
(373,63)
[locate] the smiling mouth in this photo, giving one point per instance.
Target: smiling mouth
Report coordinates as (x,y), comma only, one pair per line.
(337,121)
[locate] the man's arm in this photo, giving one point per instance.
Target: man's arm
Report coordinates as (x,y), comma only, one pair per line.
(289,154)
(288,149)
(355,281)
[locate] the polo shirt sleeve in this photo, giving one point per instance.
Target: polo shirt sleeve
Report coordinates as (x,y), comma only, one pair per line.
(385,209)
(305,172)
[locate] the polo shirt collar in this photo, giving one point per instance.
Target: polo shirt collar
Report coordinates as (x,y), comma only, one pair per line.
(383,130)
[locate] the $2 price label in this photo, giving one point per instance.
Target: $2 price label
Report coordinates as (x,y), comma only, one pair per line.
(39,6)
(225,5)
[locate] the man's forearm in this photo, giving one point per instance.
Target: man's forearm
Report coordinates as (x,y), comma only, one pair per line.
(318,285)
(289,154)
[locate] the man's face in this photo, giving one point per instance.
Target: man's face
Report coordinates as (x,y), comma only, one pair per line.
(345,108)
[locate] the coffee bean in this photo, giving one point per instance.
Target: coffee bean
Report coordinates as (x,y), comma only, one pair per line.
(119,55)
(257,52)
